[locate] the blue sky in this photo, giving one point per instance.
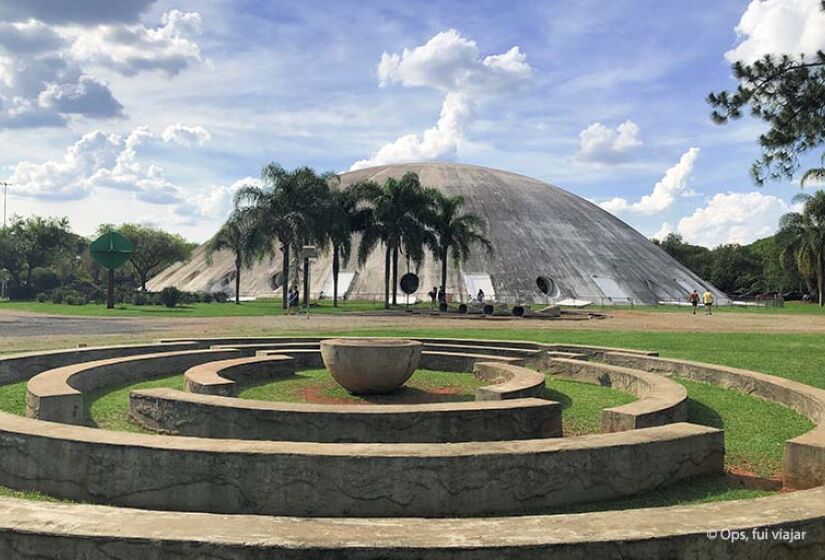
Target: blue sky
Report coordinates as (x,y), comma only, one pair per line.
(155,111)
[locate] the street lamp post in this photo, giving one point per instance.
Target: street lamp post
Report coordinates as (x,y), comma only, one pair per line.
(5,192)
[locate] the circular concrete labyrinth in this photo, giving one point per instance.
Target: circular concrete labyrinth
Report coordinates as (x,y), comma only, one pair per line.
(243,479)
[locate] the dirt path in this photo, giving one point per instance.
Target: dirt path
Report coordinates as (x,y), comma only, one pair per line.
(22,331)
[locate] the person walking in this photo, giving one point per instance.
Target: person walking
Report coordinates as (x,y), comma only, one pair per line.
(480,296)
(707,299)
(442,296)
(433,295)
(693,298)
(292,300)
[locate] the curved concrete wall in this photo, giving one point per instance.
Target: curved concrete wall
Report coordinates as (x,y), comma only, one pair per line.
(662,401)
(179,413)
(73,531)
(222,377)
(804,455)
(364,480)
(19,367)
(56,395)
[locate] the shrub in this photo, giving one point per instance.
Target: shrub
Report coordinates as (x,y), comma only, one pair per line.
(206,297)
(58,295)
(170,296)
(44,279)
(74,298)
(42,297)
(140,299)
(221,297)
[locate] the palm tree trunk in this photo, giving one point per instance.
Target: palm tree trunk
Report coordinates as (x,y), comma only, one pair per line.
(820,279)
(285,273)
(395,275)
(306,282)
(444,254)
(387,276)
(335,269)
(237,282)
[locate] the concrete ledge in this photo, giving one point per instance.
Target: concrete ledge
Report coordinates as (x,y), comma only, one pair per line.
(222,377)
(459,362)
(19,367)
(661,400)
(61,531)
(510,382)
(56,395)
(597,352)
(804,461)
(256,340)
(363,480)
(179,413)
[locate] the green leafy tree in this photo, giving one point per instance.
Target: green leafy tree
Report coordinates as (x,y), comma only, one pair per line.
(154,249)
(788,93)
(289,207)
(242,236)
(456,231)
(31,243)
(735,267)
(802,235)
(399,211)
(695,257)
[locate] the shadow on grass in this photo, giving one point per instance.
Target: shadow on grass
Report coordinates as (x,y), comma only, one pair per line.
(554,395)
(698,413)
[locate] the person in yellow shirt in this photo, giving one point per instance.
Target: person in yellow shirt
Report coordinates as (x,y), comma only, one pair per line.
(707,299)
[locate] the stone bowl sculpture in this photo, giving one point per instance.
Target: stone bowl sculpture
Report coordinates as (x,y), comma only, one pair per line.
(368,366)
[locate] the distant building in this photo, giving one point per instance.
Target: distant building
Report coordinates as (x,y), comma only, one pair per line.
(538,230)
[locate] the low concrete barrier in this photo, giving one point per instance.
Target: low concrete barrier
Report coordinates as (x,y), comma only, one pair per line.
(661,400)
(804,462)
(56,395)
(333,479)
(180,413)
(19,367)
(794,525)
(459,362)
(597,352)
(222,377)
(510,382)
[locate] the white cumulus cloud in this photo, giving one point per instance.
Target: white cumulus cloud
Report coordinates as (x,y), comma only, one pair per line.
(47,69)
(130,49)
(672,185)
(733,217)
(603,145)
(99,161)
(453,64)
(189,136)
(789,27)
(437,143)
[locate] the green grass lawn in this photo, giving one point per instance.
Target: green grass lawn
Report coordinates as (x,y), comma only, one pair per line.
(109,407)
(266,307)
(229,309)
(582,403)
(318,386)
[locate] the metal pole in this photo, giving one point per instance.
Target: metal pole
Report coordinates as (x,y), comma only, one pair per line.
(308,288)
(110,295)
(5,191)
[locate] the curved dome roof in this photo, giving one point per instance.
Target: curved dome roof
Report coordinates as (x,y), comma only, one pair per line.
(536,229)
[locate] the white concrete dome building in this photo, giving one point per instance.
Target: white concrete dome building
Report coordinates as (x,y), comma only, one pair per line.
(537,230)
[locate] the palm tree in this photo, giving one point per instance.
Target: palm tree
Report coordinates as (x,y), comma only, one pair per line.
(455,231)
(802,235)
(397,219)
(345,218)
(241,235)
(287,207)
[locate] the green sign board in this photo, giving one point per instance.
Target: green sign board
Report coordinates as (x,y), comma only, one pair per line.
(111,250)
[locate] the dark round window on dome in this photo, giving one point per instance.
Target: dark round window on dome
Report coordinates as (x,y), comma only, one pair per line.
(546,285)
